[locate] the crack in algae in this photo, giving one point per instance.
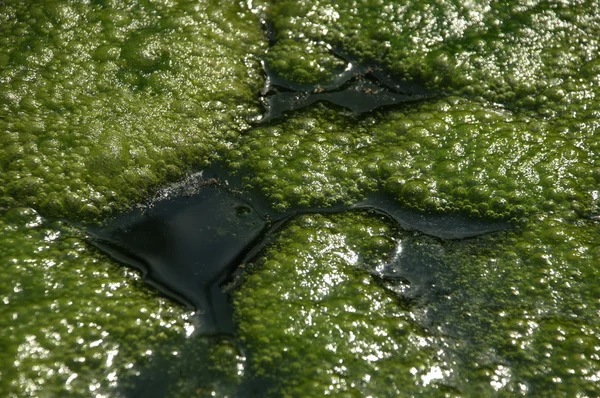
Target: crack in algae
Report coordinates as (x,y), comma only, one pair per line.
(361,88)
(190,240)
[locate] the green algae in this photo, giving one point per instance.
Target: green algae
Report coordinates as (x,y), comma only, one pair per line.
(310,64)
(527,311)
(494,158)
(103,101)
(100,102)
(326,326)
(511,314)
(450,154)
(527,56)
(73,323)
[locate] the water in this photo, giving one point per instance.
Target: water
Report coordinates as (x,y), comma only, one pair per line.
(491,114)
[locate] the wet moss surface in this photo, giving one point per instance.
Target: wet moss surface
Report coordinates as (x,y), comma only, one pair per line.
(100,102)
(103,102)
(505,314)
(541,55)
(442,155)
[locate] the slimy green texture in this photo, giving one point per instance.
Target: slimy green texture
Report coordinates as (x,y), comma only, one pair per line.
(509,314)
(527,310)
(310,63)
(443,155)
(72,322)
(495,158)
(103,101)
(100,102)
(328,327)
(542,55)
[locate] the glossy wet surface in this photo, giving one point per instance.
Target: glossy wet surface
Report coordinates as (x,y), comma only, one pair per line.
(359,89)
(101,102)
(188,246)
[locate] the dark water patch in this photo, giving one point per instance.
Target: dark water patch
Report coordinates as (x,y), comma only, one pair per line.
(456,225)
(186,246)
(191,238)
(361,88)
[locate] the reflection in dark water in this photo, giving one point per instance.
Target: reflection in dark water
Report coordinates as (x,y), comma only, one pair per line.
(189,242)
(359,88)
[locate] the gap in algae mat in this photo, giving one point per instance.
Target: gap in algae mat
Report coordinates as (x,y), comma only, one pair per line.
(359,88)
(191,238)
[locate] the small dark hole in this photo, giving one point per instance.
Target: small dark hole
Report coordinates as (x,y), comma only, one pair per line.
(243,210)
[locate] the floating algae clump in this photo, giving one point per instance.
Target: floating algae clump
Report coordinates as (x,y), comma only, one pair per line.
(101,101)
(72,322)
(327,326)
(508,314)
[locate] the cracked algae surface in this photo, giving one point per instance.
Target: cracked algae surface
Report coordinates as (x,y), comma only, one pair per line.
(540,55)
(508,314)
(103,101)
(447,154)
(73,324)
(328,327)
(100,102)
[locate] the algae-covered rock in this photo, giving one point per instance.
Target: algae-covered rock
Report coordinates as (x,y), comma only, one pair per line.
(101,101)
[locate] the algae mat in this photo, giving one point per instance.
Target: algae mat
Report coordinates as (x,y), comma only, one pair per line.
(102,103)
